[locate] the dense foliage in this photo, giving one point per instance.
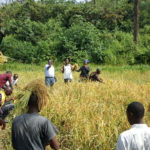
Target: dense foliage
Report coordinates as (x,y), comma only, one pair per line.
(101,32)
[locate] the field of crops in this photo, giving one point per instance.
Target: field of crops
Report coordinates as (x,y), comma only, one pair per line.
(89,116)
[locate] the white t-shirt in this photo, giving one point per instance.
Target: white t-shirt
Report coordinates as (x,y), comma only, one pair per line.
(14,82)
(67,72)
(49,72)
(137,138)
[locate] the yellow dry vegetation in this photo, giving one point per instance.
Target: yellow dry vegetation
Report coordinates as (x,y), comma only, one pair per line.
(90,116)
(3,58)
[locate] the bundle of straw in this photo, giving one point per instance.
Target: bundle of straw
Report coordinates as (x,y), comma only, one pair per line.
(36,87)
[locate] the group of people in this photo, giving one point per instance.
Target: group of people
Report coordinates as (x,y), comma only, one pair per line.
(7,83)
(67,69)
(31,131)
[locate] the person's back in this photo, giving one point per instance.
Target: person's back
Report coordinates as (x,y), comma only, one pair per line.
(32,132)
(137,138)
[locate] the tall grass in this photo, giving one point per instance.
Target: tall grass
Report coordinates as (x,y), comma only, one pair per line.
(90,116)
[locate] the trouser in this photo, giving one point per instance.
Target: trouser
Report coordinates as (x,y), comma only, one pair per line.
(5,110)
(49,81)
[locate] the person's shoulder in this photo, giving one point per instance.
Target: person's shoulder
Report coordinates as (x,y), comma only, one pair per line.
(46,65)
(125,133)
(17,118)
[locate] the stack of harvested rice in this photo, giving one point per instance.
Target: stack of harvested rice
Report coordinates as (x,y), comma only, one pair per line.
(36,87)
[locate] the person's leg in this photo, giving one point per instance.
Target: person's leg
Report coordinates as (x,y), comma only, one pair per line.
(6,109)
(66,80)
(70,80)
(47,81)
(52,81)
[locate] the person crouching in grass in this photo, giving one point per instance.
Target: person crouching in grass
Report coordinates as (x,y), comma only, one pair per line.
(31,131)
(138,137)
(49,74)
(5,105)
(94,76)
(67,70)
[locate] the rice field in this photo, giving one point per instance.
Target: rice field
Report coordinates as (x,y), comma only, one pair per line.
(89,116)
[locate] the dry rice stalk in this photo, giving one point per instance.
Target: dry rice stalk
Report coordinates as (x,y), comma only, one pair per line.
(38,87)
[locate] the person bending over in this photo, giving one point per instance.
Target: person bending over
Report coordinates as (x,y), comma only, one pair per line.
(94,76)
(31,131)
(138,137)
(5,105)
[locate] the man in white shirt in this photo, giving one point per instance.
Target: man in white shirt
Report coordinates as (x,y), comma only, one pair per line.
(138,137)
(49,74)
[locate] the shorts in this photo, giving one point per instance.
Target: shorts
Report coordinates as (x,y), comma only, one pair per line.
(67,80)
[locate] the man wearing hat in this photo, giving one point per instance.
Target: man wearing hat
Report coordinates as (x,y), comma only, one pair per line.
(85,69)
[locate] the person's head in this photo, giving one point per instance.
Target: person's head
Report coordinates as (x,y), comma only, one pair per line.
(15,76)
(135,113)
(33,101)
(9,72)
(98,71)
(50,62)
(86,61)
(67,61)
(8,90)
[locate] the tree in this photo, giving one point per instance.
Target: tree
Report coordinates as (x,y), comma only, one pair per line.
(136,20)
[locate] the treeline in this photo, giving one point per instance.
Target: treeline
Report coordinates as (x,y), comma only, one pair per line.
(36,31)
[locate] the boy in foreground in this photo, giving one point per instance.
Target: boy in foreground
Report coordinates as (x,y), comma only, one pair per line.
(31,131)
(138,137)
(94,76)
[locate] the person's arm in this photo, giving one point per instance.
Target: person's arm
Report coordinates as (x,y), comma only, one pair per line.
(10,81)
(2,123)
(10,99)
(54,143)
(120,144)
(79,69)
(62,69)
(50,133)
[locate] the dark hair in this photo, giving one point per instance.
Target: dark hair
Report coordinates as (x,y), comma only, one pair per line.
(137,109)
(33,100)
(9,72)
(98,70)
(67,58)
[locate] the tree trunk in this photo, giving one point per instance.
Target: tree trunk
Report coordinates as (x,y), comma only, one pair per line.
(136,20)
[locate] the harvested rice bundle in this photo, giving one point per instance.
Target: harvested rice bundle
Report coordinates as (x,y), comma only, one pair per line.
(75,66)
(36,87)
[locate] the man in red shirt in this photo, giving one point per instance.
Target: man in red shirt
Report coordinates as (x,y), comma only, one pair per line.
(4,78)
